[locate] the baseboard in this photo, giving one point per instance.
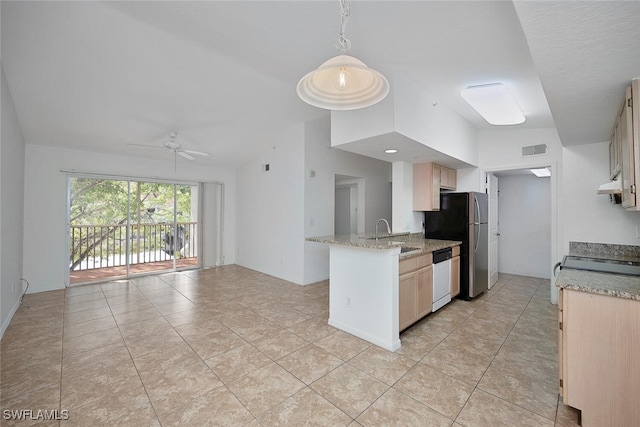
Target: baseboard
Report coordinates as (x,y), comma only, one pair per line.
(7,321)
(392,345)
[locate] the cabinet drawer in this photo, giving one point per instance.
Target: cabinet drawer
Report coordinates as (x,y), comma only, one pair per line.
(407,265)
(455,251)
(425,260)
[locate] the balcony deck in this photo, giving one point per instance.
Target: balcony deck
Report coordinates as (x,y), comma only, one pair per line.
(107,273)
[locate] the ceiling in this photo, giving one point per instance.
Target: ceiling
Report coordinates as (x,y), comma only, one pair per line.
(101,76)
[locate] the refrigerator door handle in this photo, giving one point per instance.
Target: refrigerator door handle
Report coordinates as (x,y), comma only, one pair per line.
(476,236)
(475,201)
(476,224)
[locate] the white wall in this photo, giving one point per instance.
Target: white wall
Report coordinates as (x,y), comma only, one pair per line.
(587,216)
(45,204)
(12,152)
(423,118)
(404,217)
(411,111)
(270,209)
(524,207)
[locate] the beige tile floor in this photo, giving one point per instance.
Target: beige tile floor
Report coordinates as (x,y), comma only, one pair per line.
(235,347)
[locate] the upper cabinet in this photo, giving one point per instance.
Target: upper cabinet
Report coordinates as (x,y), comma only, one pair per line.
(630,146)
(428,179)
(448,178)
(624,134)
(624,148)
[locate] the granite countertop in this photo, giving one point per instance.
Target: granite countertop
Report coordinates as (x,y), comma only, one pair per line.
(615,285)
(414,240)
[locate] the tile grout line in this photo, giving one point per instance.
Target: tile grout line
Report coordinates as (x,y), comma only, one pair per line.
(493,359)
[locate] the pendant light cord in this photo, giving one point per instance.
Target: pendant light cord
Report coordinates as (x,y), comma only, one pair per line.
(344,44)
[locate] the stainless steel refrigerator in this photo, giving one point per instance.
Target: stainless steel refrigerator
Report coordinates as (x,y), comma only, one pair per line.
(463,217)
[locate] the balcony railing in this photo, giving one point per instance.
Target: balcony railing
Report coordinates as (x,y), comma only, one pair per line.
(103,246)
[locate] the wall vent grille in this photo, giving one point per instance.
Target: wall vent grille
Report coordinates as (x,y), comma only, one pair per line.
(534,150)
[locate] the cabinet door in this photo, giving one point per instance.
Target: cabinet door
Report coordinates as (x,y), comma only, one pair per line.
(453,179)
(561,360)
(625,130)
(426,187)
(614,154)
(448,178)
(435,188)
(424,291)
(455,276)
(407,300)
(600,356)
(444,177)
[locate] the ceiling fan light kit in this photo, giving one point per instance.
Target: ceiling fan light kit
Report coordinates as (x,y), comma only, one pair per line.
(174,147)
(343,82)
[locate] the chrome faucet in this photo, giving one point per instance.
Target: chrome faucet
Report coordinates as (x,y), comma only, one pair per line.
(386,222)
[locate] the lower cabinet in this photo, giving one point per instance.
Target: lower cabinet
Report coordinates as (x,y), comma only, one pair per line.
(415,289)
(599,362)
(455,272)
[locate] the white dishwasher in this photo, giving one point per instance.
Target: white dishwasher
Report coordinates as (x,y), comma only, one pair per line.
(441,278)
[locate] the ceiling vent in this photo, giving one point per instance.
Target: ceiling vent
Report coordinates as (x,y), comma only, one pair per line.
(534,150)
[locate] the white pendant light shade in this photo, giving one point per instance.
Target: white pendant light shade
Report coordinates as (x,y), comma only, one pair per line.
(343,83)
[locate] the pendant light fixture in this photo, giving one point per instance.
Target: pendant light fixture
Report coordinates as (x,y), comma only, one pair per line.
(343,82)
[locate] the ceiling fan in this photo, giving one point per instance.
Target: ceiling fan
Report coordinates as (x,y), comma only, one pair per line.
(175,147)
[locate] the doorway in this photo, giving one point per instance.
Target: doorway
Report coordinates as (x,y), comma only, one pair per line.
(119,228)
(524,231)
(349,205)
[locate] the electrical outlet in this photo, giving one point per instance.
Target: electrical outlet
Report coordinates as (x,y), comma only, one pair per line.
(348,301)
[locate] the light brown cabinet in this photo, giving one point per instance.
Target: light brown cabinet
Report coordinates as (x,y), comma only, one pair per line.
(415,289)
(428,179)
(599,363)
(614,153)
(426,187)
(624,147)
(448,178)
(455,271)
(628,147)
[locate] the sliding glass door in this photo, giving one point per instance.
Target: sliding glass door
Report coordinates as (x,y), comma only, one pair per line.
(122,228)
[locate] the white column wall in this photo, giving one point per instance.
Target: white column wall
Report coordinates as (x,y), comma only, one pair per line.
(324,163)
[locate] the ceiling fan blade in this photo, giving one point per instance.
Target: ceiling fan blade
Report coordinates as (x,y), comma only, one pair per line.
(197,153)
(143,145)
(186,155)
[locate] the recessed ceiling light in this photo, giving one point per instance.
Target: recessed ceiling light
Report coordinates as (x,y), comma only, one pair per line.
(391,151)
(541,173)
(494,103)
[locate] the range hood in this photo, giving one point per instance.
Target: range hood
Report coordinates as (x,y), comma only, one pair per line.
(613,187)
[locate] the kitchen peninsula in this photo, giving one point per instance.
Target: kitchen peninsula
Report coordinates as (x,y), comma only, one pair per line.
(364,282)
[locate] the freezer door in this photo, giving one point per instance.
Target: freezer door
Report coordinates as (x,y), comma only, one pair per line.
(450,223)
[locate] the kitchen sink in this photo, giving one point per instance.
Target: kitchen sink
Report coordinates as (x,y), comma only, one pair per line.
(386,236)
(404,249)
